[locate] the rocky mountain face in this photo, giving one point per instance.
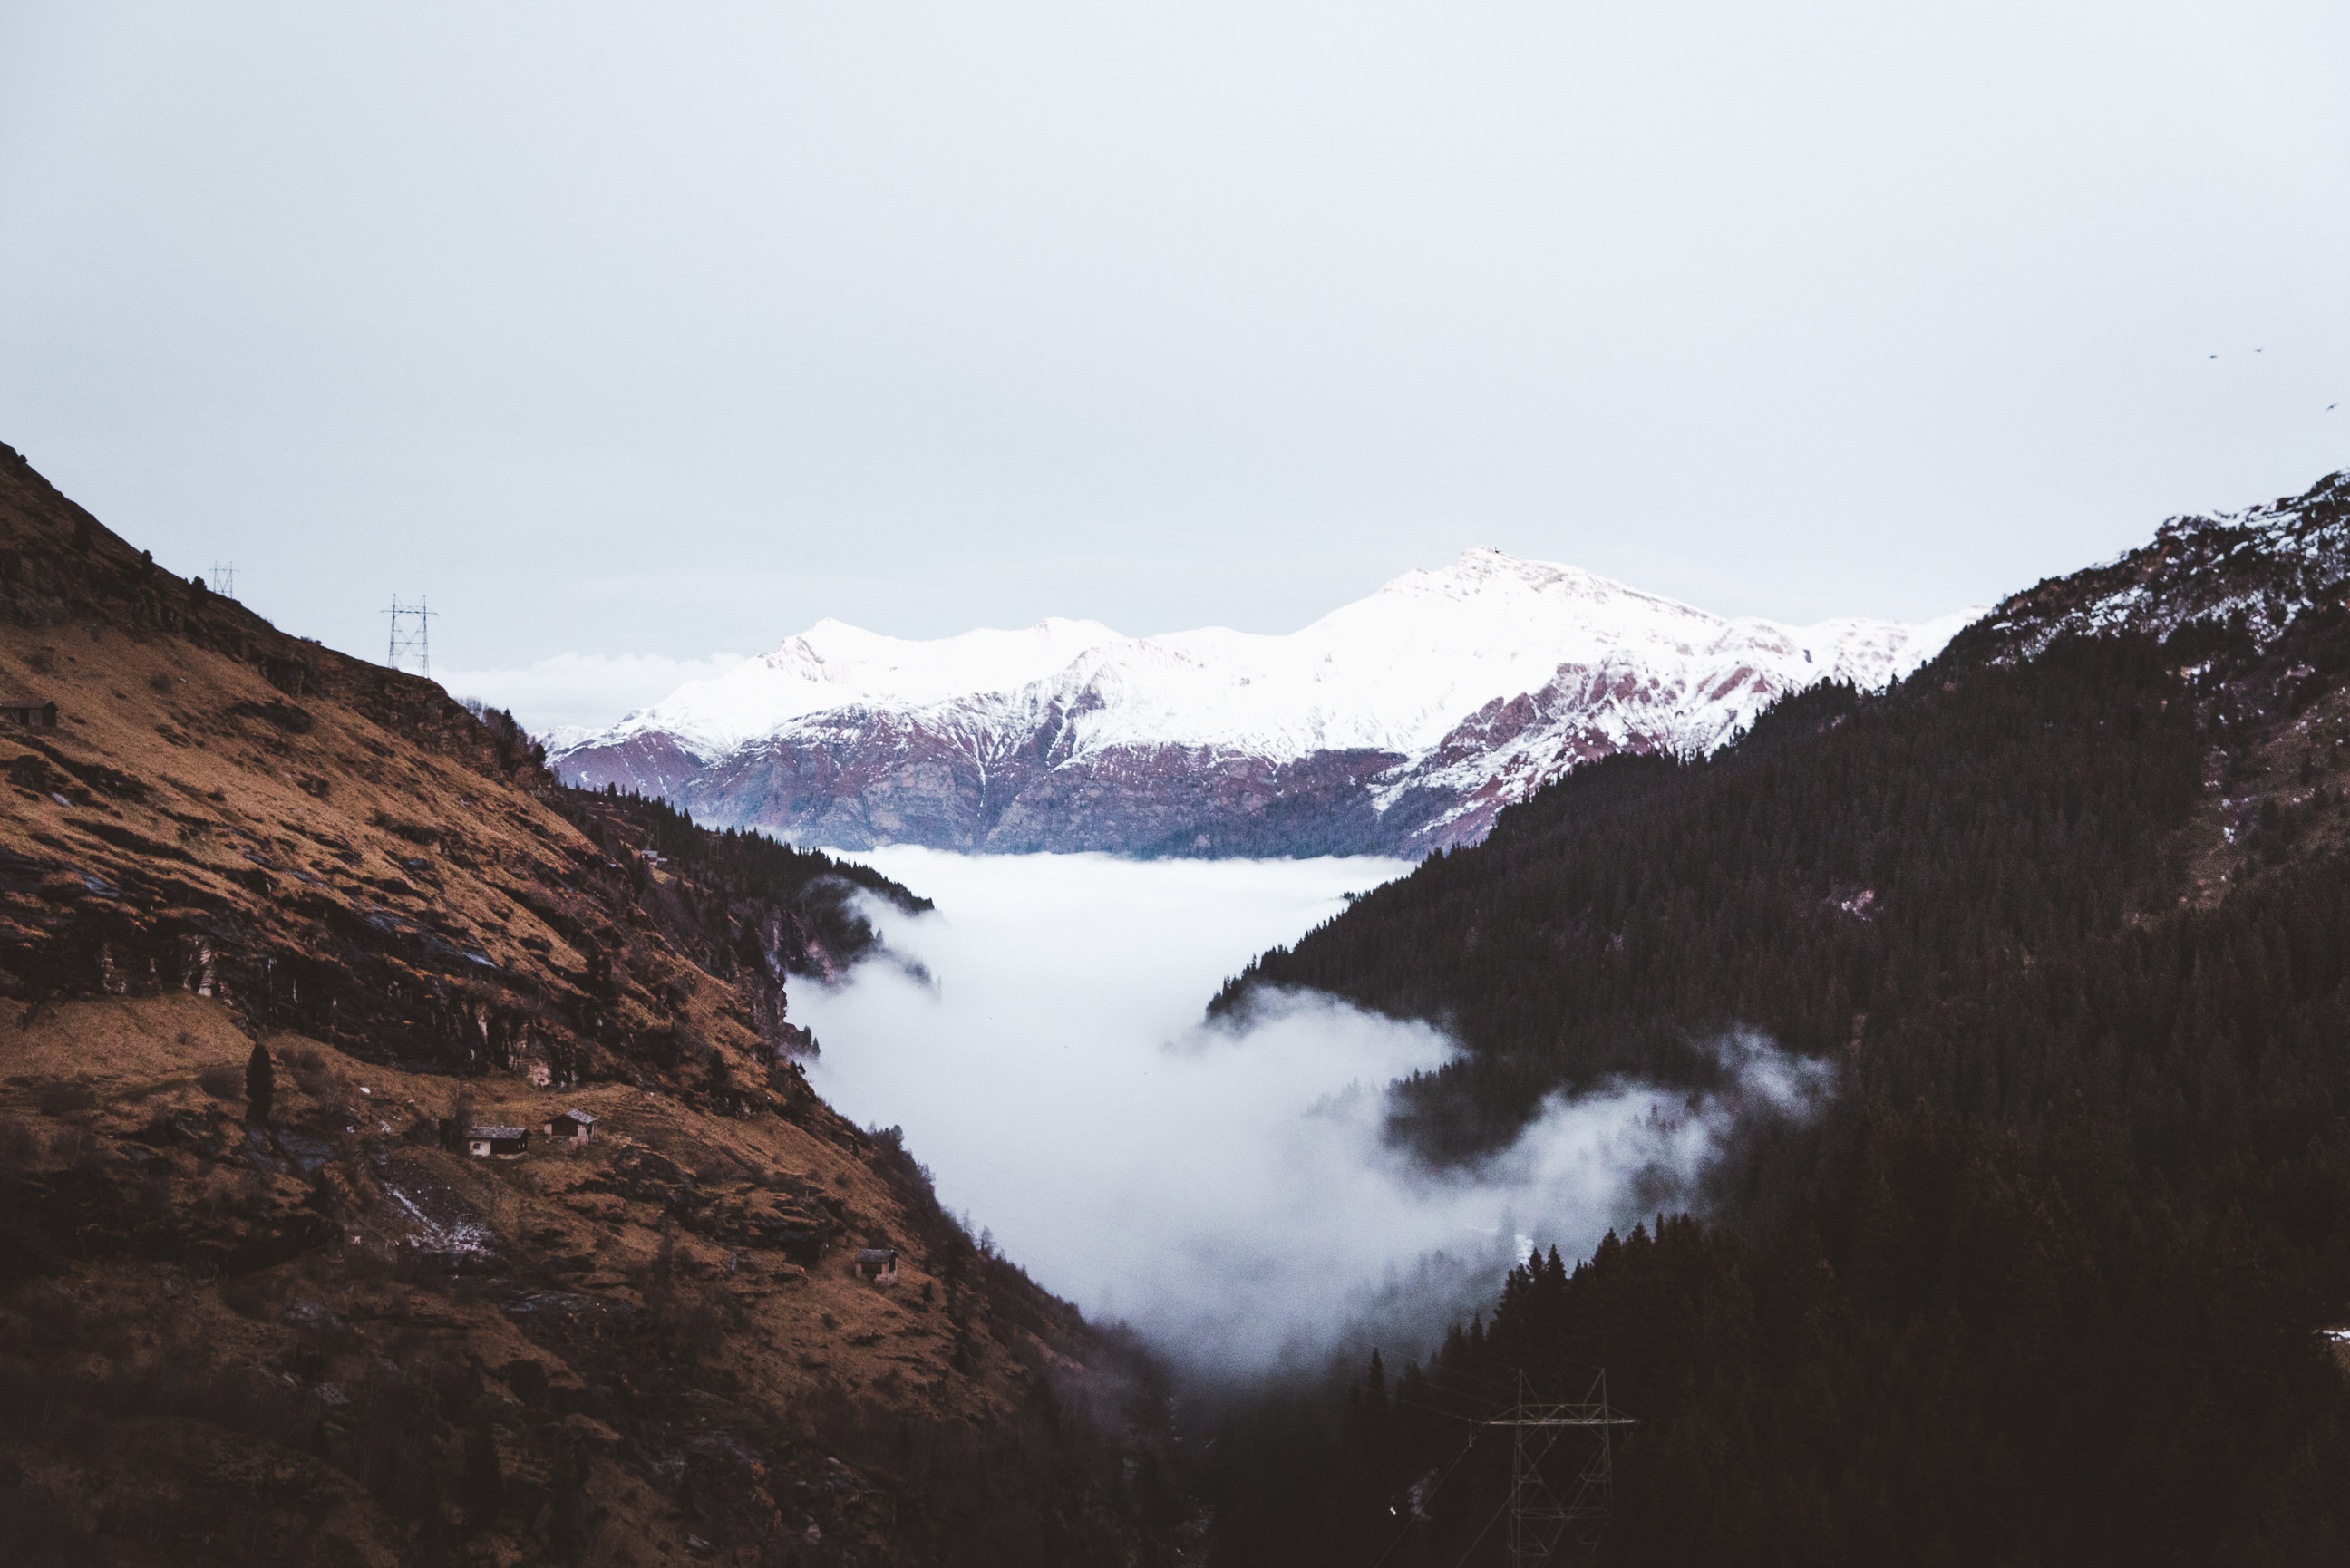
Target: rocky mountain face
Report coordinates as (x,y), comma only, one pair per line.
(1400,723)
(2244,573)
(278,930)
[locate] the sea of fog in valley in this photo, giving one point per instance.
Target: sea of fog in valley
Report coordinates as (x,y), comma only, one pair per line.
(1225,1190)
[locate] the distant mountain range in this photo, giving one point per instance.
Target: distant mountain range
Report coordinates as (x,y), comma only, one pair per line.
(1399,723)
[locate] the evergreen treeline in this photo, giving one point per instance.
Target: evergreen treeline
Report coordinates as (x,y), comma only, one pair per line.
(1854,860)
(748,890)
(747,858)
(741,858)
(2042,1283)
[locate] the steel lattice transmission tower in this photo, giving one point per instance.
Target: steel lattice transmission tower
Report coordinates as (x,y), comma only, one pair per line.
(1538,1518)
(224,580)
(417,640)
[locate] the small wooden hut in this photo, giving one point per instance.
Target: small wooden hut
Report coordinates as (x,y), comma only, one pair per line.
(575,1125)
(502,1143)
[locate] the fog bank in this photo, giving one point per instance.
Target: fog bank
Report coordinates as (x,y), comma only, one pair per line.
(1225,1190)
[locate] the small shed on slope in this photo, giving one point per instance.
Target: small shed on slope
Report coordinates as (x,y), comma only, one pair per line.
(503,1143)
(577,1125)
(878,1264)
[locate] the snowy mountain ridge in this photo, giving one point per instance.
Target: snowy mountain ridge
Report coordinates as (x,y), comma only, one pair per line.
(1442,696)
(2264,563)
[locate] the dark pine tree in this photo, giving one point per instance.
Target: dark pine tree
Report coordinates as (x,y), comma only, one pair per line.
(568,1519)
(483,1487)
(260,1083)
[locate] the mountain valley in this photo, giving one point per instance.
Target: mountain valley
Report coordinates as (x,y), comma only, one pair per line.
(311,979)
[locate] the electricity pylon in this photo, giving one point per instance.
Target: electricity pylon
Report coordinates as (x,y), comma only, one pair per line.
(1538,1518)
(416,643)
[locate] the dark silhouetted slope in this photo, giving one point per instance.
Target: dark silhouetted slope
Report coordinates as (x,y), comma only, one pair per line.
(2045,1280)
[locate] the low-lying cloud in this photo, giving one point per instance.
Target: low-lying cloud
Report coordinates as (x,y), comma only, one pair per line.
(1227,1190)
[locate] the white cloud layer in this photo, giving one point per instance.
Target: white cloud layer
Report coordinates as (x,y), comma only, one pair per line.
(1226,1190)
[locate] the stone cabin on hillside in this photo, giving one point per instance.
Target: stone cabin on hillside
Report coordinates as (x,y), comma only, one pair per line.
(575,1124)
(878,1264)
(503,1142)
(33,715)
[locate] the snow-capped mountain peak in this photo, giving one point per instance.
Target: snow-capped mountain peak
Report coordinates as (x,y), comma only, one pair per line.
(1406,718)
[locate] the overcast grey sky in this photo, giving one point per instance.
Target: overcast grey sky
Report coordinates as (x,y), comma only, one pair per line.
(652,331)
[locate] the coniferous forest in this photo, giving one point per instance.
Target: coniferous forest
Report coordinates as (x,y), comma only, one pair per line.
(2044,1280)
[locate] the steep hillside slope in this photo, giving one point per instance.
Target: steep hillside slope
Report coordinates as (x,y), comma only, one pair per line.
(1397,723)
(2061,1273)
(311,1326)
(2098,748)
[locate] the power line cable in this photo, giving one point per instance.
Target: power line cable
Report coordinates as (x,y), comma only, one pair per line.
(1478,1540)
(1426,1496)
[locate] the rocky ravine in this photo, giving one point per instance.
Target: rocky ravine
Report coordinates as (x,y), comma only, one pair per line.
(1398,724)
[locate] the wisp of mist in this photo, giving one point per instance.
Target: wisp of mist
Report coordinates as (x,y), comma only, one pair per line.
(1225,1190)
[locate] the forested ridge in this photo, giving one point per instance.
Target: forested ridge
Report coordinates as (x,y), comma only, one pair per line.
(2043,1282)
(1855,858)
(783,908)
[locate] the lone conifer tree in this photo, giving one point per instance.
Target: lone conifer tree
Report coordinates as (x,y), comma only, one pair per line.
(260,1083)
(482,1486)
(568,1528)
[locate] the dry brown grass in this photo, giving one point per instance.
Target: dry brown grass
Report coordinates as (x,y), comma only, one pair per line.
(171,1385)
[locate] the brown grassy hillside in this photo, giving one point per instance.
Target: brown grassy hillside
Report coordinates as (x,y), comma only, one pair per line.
(333,1336)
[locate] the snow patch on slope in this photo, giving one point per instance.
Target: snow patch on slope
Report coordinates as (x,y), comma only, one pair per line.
(2266,563)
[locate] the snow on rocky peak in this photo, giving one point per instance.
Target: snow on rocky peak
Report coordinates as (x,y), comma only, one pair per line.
(1405,719)
(834,665)
(2264,563)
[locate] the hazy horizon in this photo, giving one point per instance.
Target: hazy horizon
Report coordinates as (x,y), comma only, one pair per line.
(635,338)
